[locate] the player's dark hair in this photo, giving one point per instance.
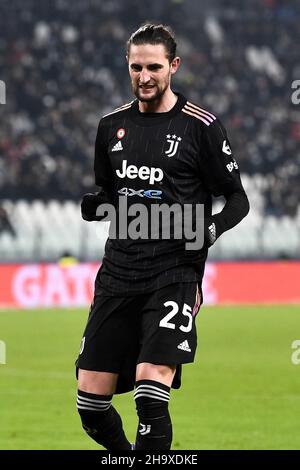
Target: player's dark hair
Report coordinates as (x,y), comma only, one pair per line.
(154,34)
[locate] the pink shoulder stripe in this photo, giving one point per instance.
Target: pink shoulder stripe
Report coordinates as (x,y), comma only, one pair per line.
(197,116)
(201,109)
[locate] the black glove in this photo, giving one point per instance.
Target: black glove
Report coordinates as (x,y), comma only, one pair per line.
(90,203)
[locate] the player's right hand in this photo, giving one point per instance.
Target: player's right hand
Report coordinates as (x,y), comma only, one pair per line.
(90,203)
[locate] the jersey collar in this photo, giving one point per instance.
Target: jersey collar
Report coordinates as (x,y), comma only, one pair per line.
(152,119)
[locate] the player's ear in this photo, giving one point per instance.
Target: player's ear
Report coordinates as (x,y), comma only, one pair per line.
(175,65)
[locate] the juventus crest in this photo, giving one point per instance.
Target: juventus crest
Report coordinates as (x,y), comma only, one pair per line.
(173,140)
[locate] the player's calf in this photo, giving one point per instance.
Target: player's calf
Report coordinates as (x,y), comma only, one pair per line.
(101,421)
(155,426)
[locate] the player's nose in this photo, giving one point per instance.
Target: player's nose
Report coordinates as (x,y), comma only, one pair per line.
(144,77)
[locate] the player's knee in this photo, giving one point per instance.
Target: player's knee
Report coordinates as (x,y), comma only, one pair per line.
(100,383)
(163,374)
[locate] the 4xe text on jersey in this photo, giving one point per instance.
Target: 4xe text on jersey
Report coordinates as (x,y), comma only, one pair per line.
(150,193)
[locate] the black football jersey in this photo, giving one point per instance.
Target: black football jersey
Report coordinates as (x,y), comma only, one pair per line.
(182,156)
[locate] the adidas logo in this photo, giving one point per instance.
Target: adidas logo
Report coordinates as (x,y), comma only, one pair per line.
(184,346)
(212,229)
(117,147)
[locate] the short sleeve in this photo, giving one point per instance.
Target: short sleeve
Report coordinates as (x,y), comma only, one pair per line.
(219,168)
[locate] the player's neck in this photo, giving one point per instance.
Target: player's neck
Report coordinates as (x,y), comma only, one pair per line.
(162,105)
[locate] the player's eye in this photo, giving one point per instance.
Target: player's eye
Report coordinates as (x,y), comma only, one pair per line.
(135,67)
(154,68)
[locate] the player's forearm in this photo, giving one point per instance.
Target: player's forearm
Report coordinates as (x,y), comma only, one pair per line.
(235,209)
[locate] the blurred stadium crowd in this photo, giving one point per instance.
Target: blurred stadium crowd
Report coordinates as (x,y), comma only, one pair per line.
(64,67)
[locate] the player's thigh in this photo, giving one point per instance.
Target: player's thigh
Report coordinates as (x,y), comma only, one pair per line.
(99,383)
(157,372)
(110,336)
(169,335)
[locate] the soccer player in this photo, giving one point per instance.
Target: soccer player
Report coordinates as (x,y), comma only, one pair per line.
(159,148)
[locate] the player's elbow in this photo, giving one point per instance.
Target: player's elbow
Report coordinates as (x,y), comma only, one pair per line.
(245,204)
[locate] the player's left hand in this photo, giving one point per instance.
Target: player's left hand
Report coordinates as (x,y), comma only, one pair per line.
(210,231)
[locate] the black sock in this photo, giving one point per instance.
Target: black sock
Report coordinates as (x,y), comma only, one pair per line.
(155,426)
(101,421)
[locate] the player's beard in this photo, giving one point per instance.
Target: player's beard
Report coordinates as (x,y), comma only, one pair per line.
(159,92)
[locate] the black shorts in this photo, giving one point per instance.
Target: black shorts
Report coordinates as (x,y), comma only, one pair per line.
(158,327)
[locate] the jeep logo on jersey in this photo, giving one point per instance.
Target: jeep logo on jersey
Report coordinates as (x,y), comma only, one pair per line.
(144,173)
(173,140)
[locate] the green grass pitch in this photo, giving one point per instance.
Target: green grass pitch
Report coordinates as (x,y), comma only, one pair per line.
(243,392)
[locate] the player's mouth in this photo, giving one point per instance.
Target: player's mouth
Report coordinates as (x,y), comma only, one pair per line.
(146,87)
